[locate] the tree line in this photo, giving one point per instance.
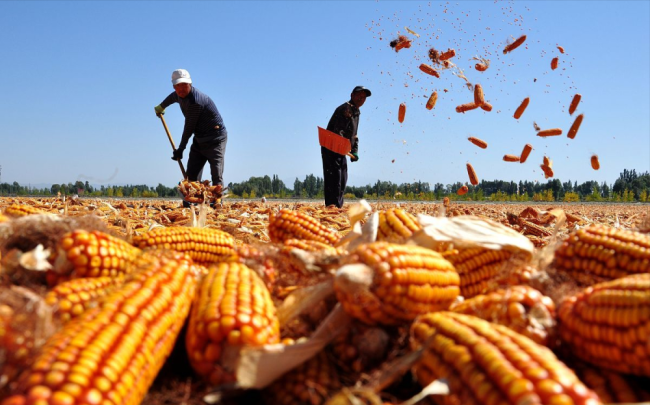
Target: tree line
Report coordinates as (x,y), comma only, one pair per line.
(629,187)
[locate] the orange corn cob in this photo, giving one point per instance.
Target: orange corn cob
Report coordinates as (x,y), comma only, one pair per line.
(396,225)
(530,228)
(601,253)
(479,98)
(611,387)
(478,267)
(547,161)
(607,324)
(232,308)
(573,131)
(310,383)
(432,100)
(574,103)
(91,254)
(203,245)
(401,112)
(486,363)
(524,153)
(559,48)
(554,63)
(288,224)
(522,107)
(21,210)
(466,107)
(72,298)
(550,132)
(429,70)
(486,106)
(112,353)
(595,164)
(308,245)
(463,190)
(450,53)
(402,282)
(521,308)
(481,67)
(473,179)
(510,158)
(511,47)
(478,142)
(548,171)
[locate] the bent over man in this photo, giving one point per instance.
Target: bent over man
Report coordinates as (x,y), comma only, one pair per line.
(344,122)
(204,121)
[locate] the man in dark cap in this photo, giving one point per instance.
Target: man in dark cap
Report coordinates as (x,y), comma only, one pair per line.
(344,122)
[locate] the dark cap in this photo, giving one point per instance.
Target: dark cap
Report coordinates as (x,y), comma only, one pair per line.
(361,88)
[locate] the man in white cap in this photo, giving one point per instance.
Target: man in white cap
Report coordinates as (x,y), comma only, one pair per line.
(204,121)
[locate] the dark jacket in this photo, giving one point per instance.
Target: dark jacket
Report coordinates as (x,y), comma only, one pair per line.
(345,122)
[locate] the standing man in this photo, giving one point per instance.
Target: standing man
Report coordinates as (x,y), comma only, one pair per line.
(204,121)
(344,122)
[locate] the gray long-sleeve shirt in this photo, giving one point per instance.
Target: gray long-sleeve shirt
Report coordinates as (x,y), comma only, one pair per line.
(201,118)
(345,122)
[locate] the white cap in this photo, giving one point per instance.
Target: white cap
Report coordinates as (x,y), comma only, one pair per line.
(181,76)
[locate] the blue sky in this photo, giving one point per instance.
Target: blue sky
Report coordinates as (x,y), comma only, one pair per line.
(81,80)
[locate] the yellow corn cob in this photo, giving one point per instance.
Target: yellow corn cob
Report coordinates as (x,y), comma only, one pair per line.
(396,225)
(288,224)
(3,218)
(478,268)
(401,282)
(310,383)
(600,253)
(521,308)
(308,245)
(530,228)
(232,308)
(607,324)
(21,210)
(91,254)
(112,353)
(204,245)
(71,298)
(485,363)
(611,387)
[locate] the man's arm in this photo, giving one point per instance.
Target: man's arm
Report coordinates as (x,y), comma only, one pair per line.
(171,99)
(191,118)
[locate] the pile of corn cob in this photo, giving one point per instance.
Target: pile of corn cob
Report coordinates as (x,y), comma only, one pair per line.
(460,310)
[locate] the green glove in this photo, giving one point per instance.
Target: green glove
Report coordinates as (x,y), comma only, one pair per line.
(356,157)
(159,110)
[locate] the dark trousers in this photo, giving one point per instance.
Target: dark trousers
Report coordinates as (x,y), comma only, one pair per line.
(200,154)
(335,176)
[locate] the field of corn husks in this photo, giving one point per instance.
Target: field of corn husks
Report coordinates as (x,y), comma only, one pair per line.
(141,301)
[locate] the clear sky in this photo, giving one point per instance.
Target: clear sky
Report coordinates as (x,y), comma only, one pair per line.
(81,78)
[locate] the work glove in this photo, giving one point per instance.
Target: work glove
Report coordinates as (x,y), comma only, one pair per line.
(178,154)
(355,158)
(159,110)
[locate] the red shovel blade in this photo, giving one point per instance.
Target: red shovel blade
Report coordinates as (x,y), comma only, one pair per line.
(335,143)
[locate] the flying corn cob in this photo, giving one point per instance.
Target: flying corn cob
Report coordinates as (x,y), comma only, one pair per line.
(595,164)
(520,308)
(432,100)
(607,324)
(574,103)
(611,387)
(21,210)
(548,171)
(478,267)
(522,107)
(559,48)
(479,98)
(401,113)
(486,106)
(554,63)
(91,254)
(485,363)
(481,67)
(550,132)
(203,245)
(310,383)
(390,284)
(525,152)
(71,298)
(450,53)
(463,190)
(573,131)
(429,70)
(511,47)
(473,179)
(510,158)
(601,253)
(287,224)
(112,353)
(478,142)
(396,225)
(232,308)
(466,107)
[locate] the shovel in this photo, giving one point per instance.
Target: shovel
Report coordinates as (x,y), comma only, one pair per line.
(162,118)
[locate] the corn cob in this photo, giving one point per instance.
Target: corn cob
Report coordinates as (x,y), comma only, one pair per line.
(559,48)
(611,387)
(21,210)
(478,142)
(473,178)
(485,363)
(550,132)
(524,153)
(522,107)
(486,106)
(463,190)
(203,245)
(112,353)
(600,253)
(477,268)
(308,245)
(481,67)
(399,283)
(521,308)
(554,63)
(429,70)
(573,131)
(595,164)
(450,53)
(511,47)
(3,218)
(432,100)
(466,107)
(607,324)
(510,158)
(574,103)
(91,254)
(401,112)
(232,308)
(288,224)
(311,383)
(548,171)
(530,228)
(396,225)
(71,298)
(479,98)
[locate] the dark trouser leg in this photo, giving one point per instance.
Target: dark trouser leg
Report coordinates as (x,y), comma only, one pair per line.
(195,163)
(215,154)
(332,177)
(344,180)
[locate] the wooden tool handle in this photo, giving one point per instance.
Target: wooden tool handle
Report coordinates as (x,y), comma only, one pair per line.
(169,135)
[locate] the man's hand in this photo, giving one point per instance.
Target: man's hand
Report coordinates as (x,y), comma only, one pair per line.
(159,110)
(178,154)
(355,158)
